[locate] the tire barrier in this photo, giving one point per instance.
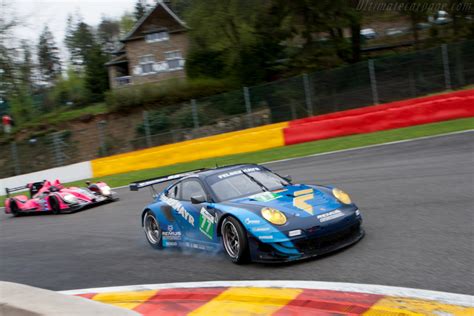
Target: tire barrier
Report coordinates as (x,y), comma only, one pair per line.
(363,120)
(382,117)
(249,140)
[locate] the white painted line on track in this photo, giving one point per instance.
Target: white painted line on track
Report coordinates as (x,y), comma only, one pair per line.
(372,146)
(352,149)
(349,149)
(444,297)
(121,187)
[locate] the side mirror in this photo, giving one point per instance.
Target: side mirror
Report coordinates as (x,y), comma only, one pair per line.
(288,178)
(198,199)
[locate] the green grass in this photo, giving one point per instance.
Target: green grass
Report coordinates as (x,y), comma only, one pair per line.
(66,114)
(299,150)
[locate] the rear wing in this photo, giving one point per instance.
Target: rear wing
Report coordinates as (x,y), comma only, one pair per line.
(11,190)
(137,185)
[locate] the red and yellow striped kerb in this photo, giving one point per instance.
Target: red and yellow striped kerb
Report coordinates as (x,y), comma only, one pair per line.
(271,301)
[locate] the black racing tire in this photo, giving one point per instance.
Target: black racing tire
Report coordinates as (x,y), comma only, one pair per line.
(234,240)
(14,208)
(153,232)
(54,203)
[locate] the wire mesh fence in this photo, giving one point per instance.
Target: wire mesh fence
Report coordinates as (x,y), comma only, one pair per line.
(366,83)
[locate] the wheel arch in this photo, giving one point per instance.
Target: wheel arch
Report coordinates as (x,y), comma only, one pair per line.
(146,210)
(156,210)
(221,220)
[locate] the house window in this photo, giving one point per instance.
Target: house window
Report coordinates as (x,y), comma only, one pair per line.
(157,37)
(146,64)
(174,59)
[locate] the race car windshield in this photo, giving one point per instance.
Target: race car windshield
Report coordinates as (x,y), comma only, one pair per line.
(241,185)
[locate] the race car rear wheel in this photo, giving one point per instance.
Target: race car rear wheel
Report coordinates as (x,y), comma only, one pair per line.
(54,203)
(153,231)
(234,240)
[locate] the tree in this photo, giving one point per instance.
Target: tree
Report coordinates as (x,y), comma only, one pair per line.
(355,18)
(321,25)
(417,11)
(21,105)
(180,7)
(228,30)
(108,33)
(26,66)
(70,88)
(459,11)
(48,57)
(126,23)
(96,77)
(140,10)
(79,41)
(8,69)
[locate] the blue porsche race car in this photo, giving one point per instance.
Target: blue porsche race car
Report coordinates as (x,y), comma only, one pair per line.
(249,212)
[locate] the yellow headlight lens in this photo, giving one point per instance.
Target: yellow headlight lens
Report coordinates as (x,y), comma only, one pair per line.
(341,196)
(273,216)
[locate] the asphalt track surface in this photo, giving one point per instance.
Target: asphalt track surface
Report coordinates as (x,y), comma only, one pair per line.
(416,199)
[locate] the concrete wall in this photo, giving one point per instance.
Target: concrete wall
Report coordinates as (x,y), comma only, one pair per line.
(22,300)
(75,172)
(423,110)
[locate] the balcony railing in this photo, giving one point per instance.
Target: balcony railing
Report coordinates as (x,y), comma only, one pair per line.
(122,81)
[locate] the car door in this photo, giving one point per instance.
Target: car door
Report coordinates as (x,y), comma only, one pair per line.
(175,211)
(203,216)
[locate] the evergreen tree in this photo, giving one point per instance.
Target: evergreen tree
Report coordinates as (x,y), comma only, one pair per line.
(26,66)
(180,6)
(108,33)
(89,55)
(8,71)
(96,73)
(140,10)
(79,41)
(48,56)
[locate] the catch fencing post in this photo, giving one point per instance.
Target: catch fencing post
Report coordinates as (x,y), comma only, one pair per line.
(307,94)
(460,67)
(103,146)
(16,161)
(447,72)
(412,81)
(146,125)
(248,106)
(373,82)
(195,113)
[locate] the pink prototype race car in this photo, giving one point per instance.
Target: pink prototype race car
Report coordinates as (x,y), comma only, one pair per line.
(54,197)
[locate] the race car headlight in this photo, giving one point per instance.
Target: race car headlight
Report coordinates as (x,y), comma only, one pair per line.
(273,216)
(341,196)
(69,198)
(105,190)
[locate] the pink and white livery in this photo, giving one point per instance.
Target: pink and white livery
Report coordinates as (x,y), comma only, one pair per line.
(46,196)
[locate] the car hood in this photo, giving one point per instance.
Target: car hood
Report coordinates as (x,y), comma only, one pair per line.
(294,200)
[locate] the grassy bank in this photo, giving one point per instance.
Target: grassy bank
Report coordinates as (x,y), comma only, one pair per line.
(299,150)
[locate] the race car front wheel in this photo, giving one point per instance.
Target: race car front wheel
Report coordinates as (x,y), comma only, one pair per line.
(14,209)
(152,230)
(54,203)
(234,240)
